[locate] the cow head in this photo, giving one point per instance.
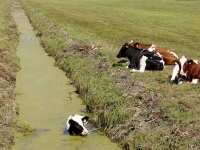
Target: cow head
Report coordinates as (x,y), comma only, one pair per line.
(180,72)
(122,52)
(190,70)
(75,125)
(184,62)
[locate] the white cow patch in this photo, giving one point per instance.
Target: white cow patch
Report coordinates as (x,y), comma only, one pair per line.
(131,42)
(76,118)
(176,69)
(196,61)
(180,82)
(142,65)
(195,81)
(174,54)
(162,61)
(151,48)
(174,72)
(182,61)
(158,54)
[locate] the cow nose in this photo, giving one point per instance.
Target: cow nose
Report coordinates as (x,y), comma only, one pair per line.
(85,132)
(181,73)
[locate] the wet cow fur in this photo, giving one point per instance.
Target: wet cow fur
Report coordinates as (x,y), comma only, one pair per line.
(169,57)
(141,60)
(75,125)
(189,71)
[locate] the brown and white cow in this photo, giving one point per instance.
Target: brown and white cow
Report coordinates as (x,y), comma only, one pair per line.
(189,71)
(170,58)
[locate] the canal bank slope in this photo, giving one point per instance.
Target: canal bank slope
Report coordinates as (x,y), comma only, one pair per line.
(9,65)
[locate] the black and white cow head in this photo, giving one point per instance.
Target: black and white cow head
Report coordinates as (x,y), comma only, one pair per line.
(75,125)
(122,52)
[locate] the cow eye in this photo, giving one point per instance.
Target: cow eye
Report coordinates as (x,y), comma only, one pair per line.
(85,119)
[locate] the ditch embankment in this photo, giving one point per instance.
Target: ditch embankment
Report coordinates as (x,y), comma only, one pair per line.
(9,65)
(138,111)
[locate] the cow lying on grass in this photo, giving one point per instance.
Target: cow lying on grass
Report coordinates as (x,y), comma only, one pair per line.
(189,71)
(75,125)
(170,58)
(141,60)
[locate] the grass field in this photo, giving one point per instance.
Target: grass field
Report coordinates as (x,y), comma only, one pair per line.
(167,23)
(158,115)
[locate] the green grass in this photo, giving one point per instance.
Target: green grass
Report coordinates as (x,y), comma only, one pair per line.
(117,22)
(167,23)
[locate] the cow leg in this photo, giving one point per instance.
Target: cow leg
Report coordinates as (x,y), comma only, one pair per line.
(174,73)
(135,70)
(142,65)
(127,67)
(133,64)
(189,78)
(195,81)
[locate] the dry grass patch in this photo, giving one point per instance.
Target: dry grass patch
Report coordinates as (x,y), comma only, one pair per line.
(9,65)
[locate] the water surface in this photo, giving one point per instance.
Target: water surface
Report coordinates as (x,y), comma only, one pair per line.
(46,98)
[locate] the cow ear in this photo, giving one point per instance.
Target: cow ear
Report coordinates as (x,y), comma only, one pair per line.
(126,45)
(190,61)
(136,44)
(85,119)
(70,121)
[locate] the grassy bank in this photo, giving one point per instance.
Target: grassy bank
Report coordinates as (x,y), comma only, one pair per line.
(9,65)
(136,110)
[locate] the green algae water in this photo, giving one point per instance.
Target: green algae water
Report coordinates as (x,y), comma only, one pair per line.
(46,98)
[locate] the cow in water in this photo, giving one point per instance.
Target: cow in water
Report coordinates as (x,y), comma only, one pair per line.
(169,57)
(189,71)
(75,125)
(141,60)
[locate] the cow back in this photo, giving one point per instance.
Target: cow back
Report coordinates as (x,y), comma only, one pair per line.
(169,57)
(139,46)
